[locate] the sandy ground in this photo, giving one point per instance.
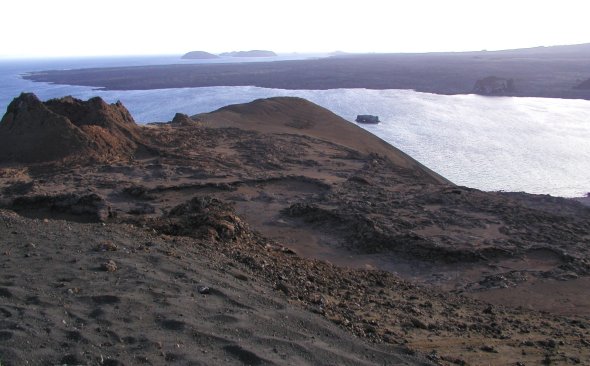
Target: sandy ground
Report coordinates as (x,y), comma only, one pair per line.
(59,305)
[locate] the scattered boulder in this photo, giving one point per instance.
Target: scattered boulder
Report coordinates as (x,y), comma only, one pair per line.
(488,348)
(493,85)
(109,266)
(106,246)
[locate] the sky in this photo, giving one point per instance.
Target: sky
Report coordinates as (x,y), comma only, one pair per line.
(63,28)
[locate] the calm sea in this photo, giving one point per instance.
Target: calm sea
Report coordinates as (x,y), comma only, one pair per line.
(534,145)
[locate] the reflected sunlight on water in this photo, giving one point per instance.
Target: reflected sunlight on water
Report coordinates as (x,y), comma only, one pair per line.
(514,144)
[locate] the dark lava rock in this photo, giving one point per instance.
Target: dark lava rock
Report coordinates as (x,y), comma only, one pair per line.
(142,208)
(203,217)
(139,192)
(488,348)
(19,188)
(91,207)
(109,266)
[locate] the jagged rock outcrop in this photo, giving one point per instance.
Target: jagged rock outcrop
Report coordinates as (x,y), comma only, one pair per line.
(493,85)
(182,119)
(203,217)
(198,55)
(66,128)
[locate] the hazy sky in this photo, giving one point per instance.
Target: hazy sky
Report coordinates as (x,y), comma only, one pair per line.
(122,27)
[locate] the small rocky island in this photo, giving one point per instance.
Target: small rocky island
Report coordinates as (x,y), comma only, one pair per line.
(367,118)
(198,55)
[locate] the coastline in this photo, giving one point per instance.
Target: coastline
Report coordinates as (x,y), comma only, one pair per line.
(549,75)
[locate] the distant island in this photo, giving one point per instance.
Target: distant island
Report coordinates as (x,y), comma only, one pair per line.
(198,55)
(253,53)
(549,72)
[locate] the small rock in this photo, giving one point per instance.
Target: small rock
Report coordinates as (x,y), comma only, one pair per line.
(109,266)
(418,323)
(317,309)
(488,348)
(106,246)
(528,343)
(281,286)
(433,356)
(240,276)
(549,343)
(489,310)
(288,251)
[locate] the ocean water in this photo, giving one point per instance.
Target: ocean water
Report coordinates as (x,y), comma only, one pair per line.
(536,145)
